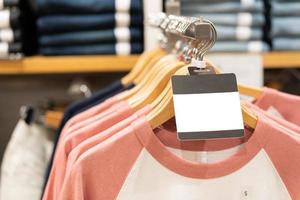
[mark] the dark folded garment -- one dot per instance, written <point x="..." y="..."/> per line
<point x="8" y="3"/>
<point x="9" y="35"/>
<point x="87" y="6"/>
<point x="6" y="49"/>
<point x="72" y="23"/>
<point x="119" y="49"/>
<point x="9" y="18"/>
<point x="92" y="37"/>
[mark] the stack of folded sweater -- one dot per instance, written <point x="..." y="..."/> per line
<point x="285" y="25"/>
<point x="84" y="27"/>
<point x="10" y="34"/>
<point x="240" y="24"/>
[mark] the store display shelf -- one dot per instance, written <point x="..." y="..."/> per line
<point x="273" y="60"/>
<point x="67" y="64"/>
<point x="111" y="63"/>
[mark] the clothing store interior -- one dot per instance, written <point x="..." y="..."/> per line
<point x="144" y="100"/>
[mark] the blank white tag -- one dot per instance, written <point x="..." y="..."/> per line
<point x="207" y="106"/>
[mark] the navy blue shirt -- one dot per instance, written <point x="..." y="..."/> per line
<point x="48" y="7"/>
<point x="90" y="49"/>
<point x="87" y="37"/>
<point x="73" y="23"/>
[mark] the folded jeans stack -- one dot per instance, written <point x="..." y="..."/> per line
<point x="286" y="25"/>
<point x="239" y="23"/>
<point x="84" y="27"/>
<point x="10" y="33"/>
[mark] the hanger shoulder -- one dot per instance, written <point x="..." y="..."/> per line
<point x="250" y="91"/>
<point x="159" y="55"/>
<point x="147" y="87"/>
<point x="148" y="78"/>
<point x="249" y="118"/>
<point x="157" y="86"/>
<point x="143" y="60"/>
<point x="164" y="109"/>
<point x="152" y="75"/>
<point x="162" y="113"/>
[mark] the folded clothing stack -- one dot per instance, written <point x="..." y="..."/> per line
<point x="285" y="25"/>
<point x="240" y="24"/>
<point x="83" y="27"/>
<point x="10" y="30"/>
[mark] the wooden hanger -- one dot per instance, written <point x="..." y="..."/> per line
<point x="163" y="106"/>
<point x="250" y="90"/>
<point x="164" y="110"/>
<point x="159" y="55"/>
<point x="152" y="91"/>
<point x="139" y="67"/>
<point x="148" y="78"/>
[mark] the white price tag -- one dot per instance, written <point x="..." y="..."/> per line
<point x="207" y="106"/>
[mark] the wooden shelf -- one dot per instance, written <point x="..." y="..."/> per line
<point x="67" y="64"/>
<point x="279" y="60"/>
<point x="111" y="63"/>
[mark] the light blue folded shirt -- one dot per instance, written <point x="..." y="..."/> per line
<point x="286" y="44"/>
<point x="239" y="46"/>
<point x="234" y="19"/>
<point x="238" y="33"/>
<point x="286" y="8"/>
<point x="286" y="26"/>
<point x="226" y="7"/>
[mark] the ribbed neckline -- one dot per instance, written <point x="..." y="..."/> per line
<point x="191" y="169"/>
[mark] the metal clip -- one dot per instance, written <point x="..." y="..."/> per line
<point x="191" y="36"/>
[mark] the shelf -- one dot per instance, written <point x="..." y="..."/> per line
<point x="111" y="63"/>
<point x="279" y="60"/>
<point x="67" y="64"/>
<point x="53" y="119"/>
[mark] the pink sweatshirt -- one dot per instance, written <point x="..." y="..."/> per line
<point x="135" y="164"/>
<point x="98" y="138"/>
<point x="277" y="119"/>
<point x="287" y="105"/>
<point x="70" y="140"/>
<point x="78" y="121"/>
<point x="91" y="116"/>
